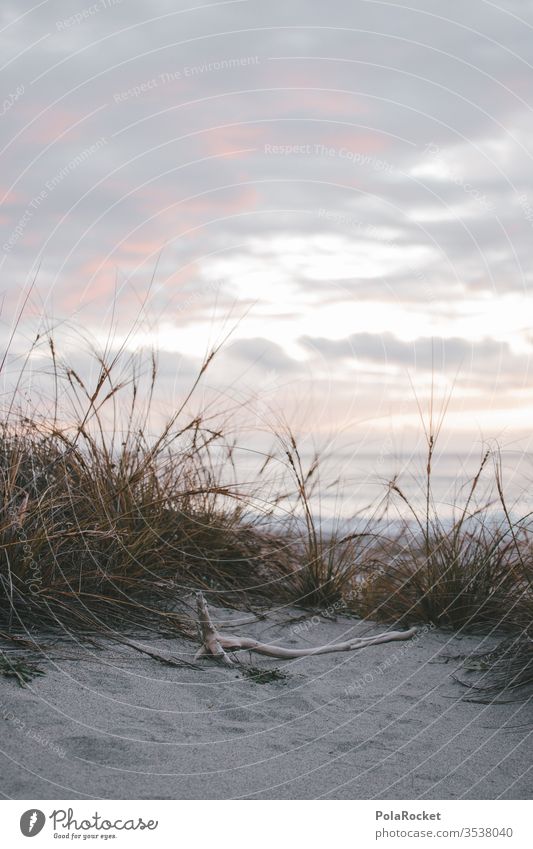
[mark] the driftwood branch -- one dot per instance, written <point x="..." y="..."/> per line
<point x="214" y="643"/>
<point x="210" y="638"/>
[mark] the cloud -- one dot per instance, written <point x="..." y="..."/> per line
<point x="485" y="356"/>
<point x="261" y="353"/>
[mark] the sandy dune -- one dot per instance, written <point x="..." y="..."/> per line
<point x="386" y="722"/>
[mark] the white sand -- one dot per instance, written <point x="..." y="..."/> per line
<point x="383" y="723"/>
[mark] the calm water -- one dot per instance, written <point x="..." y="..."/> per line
<point x="357" y="484"/>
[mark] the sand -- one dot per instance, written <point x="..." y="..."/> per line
<point x="387" y="722"/>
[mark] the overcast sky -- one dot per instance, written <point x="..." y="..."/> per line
<point x="351" y="179"/>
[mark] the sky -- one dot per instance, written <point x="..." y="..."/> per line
<point x="344" y="187"/>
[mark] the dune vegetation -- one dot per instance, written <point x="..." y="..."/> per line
<point x="106" y="528"/>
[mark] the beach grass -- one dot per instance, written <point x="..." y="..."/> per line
<point x="106" y="528"/>
<point x="21" y="670"/>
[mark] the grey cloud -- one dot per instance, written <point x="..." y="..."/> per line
<point x="261" y="353"/>
<point x="485" y="356"/>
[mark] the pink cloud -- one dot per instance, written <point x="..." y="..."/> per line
<point x="52" y="124"/>
<point x="226" y="140"/>
<point x="9" y="198"/>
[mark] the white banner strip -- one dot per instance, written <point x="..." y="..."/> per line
<point x="263" y="824"/>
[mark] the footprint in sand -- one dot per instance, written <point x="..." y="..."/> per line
<point x="107" y="751"/>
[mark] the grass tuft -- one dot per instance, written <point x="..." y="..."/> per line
<point x="23" y="671"/>
<point x="263" y="676"/>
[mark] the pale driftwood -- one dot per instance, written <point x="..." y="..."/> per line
<point x="214" y="643"/>
<point x="211" y="640"/>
